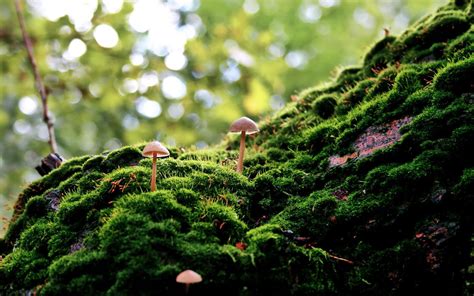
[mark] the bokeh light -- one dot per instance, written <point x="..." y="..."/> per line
<point x="106" y="36"/>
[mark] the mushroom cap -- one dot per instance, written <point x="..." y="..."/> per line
<point x="155" y="147"/>
<point x="188" y="277"/>
<point x="244" y="124"/>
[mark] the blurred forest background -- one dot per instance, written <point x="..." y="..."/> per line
<point x="121" y="72"/>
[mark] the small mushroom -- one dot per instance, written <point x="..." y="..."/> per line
<point x="154" y="149"/>
<point x="188" y="277"/>
<point x="243" y="125"/>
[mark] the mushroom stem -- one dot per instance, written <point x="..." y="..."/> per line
<point x="187" y="289"/>
<point x="153" y="173"/>
<point x="240" y="163"/>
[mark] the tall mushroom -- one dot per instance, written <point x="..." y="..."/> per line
<point x="243" y="125"/>
<point x="188" y="277"/>
<point x="154" y="149"/>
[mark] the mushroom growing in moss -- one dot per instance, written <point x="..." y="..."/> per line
<point x="188" y="277"/>
<point x="243" y="125"/>
<point x="154" y="149"/>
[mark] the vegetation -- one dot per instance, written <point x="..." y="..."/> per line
<point x="393" y="216"/>
<point x="244" y="59"/>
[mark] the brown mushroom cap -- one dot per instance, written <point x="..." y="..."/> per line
<point x="155" y="147"/>
<point x="244" y="124"/>
<point x="188" y="277"/>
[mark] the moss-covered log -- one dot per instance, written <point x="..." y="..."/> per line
<point x="363" y="186"/>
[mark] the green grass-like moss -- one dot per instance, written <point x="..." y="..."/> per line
<point x="324" y="106"/>
<point x="397" y="221"/>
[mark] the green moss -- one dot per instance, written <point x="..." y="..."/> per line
<point x="89" y="181"/>
<point x="294" y="270"/>
<point x="24" y="269"/>
<point x="49" y="181"/>
<point x="440" y="27"/>
<point x="388" y="269"/>
<point x="461" y="3"/>
<point x="406" y="83"/>
<point x="348" y="77"/>
<point x="416" y="102"/>
<point x="309" y="217"/>
<point x="203" y="232"/>
<point x="357" y="94"/>
<point x="464" y="189"/>
<point x="75" y="212"/>
<point x="456" y="77"/>
<point x="174" y="183"/>
<point x="470" y="11"/>
<point x="217" y="156"/>
<point x="68" y="274"/>
<point x="36" y="237"/>
<point x="121" y="158"/>
<point x="93" y="163"/>
<point x="60" y="240"/>
<point x="279" y="155"/>
<point x="291" y="224"/>
<point x="324" y="106"/>
<point x="187" y="197"/>
<point x="379" y="56"/>
<point x="433" y="53"/>
<point x="384" y="82"/>
<point x="462" y="47"/>
<point x="36" y="208"/>
<point x="158" y="205"/>
<point x="320" y="136"/>
<point x="226" y="221"/>
<point x="274" y="187"/>
<point x="220" y="182"/>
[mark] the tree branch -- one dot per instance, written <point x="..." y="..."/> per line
<point x="38" y="81"/>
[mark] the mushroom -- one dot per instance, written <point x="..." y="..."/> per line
<point x="154" y="149"/>
<point x="243" y="125"/>
<point x="188" y="277"/>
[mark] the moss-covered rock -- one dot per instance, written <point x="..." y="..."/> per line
<point x="361" y="186"/>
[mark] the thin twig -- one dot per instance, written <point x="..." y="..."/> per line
<point x="38" y="81"/>
<point x="341" y="259"/>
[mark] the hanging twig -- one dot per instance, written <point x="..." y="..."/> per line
<point x="38" y="81"/>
